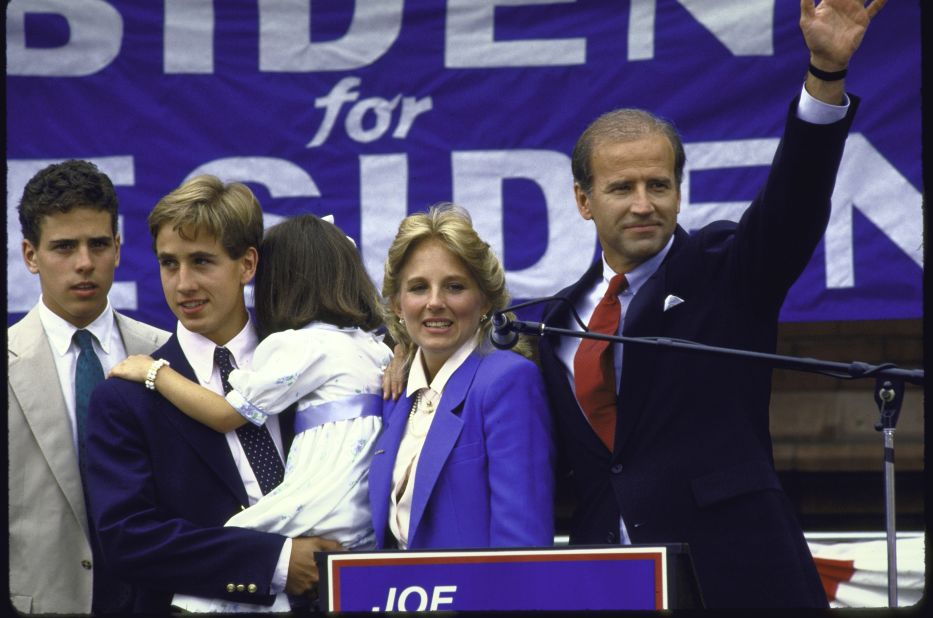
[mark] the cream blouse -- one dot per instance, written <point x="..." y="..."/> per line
<point x="427" y="398"/>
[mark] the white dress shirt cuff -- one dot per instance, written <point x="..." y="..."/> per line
<point x="815" y="111"/>
<point x="281" y="568"/>
<point x="247" y="410"/>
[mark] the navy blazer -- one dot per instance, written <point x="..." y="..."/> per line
<point x="485" y="477"/>
<point x="160" y="486"/>
<point x="692" y="459"/>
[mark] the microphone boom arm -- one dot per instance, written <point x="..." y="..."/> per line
<point x="849" y="371"/>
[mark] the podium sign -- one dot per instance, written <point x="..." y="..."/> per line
<point x="535" y="579"/>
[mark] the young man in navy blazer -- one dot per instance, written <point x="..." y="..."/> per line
<point x="689" y="457"/>
<point x="161" y="485"/>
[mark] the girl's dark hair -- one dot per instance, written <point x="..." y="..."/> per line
<point x="309" y="270"/>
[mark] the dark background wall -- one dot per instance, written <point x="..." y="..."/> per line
<point x="826" y="448"/>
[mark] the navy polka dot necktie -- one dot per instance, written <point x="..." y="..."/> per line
<point x="255" y="440"/>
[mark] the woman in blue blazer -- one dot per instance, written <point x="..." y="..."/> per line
<point x="466" y="457"/>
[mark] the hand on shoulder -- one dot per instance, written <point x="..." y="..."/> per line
<point x="133" y="368"/>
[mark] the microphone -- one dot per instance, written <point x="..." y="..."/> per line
<point x="503" y="335"/>
<point x="505" y="331"/>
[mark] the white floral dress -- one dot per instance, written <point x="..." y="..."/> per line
<point x="335" y="375"/>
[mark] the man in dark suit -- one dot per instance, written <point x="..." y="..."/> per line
<point x="162" y="485"/>
<point x="676" y="448"/>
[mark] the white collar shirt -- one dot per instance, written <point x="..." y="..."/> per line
<point x="107" y="343"/>
<point x="586" y="304"/>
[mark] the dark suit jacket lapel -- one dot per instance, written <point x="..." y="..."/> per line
<point x="441" y="438"/>
<point x="642" y="319"/>
<point x="211" y="446"/>
<point x="558" y="313"/>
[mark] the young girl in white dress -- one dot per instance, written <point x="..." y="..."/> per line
<point x="315" y="311"/>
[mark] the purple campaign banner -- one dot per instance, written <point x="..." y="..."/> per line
<point x="593" y="579"/>
<point x="372" y="109"/>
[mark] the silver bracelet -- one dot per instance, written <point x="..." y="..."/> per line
<point x="153" y="370"/>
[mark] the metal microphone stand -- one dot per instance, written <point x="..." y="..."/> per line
<point x="889" y="394"/>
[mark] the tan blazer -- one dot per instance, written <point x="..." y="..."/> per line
<point x="50" y="555"/>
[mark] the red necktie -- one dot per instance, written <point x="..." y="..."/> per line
<point x="593" y="373"/>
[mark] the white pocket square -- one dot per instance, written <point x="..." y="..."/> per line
<point x="672" y="301"/>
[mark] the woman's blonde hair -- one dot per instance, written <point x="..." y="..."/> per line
<point x="452" y="226"/>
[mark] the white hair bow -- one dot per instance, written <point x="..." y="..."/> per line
<point x="330" y="219"/>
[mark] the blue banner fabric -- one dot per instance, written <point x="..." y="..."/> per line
<point x="372" y="109"/>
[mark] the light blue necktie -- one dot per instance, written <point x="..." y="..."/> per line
<point x="87" y="374"/>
